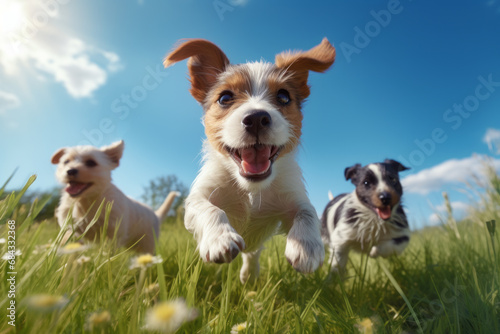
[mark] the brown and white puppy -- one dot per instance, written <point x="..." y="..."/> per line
<point x="250" y="185"/>
<point x="86" y="172"/>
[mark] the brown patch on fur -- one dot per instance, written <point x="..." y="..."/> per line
<point x="378" y="204"/>
<point x="291" y="111"/>
<point x="395" y="198"/>
<point x="376" y="201"/>
<point x="57" y="156"/>
<point x="239" y="85"/>
<point x="317" y="59"/>
<point x="206" y="62"/>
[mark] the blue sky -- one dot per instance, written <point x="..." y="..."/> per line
<point x="416" y="81"/>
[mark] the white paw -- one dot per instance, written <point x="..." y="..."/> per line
<point x="374" y="252"/>
<point x="221" y="247"/>
<point x="304" y="255"/>
<point x="249" y="273"/>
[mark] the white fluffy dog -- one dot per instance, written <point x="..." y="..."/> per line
<point x="250" y="186"/>
<point x="86" y="172"/>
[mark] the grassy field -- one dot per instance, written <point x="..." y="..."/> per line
<point x="447" y="281"/>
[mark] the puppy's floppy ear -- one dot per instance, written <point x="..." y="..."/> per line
<point x="397" y="165"/>
<point x="114" y="151"/>
<point x="206" y="62"/>
<point x="350" y="172"/>
<point x="57" y="156"/>
<point x="318" y="59"/>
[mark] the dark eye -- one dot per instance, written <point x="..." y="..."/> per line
<point x="66" y="162"/>
<point x="90" y="163"/>
<point x="367" y="184"/>
<point x="393" y="180"/>
<point x="225" y="98"/>
<point x="283" y="97"/>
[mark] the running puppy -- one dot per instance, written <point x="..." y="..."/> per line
<point x="371" y="218"/>
<point x="86" y="172"/>
<point x="250" y="186"/>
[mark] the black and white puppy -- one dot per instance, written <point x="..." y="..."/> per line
<point x="370" y="219"/>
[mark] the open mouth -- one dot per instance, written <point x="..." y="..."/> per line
<point x="255" y="162"/>
<point x="76" y="188"/>
<point x="384" y="212"/>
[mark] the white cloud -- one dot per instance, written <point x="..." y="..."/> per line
<point x="492" y="138"/>
<point x="39" y="45"/>
<point x="114" y="61"/>
<point x="459" y="209"/>
<point x="8" y="101"/>
<point x="450" y="172"/>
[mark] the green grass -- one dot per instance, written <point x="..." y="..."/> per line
<point x="447" y="281"/>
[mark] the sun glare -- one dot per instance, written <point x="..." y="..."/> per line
<point x="11" y="17"/>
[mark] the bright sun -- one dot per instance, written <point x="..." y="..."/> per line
<point x="11" y="17"/>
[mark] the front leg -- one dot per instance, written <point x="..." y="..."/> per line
<point x="61" y="214"/>
<point x="339" y="255"/>
<point x="217" y="240"/>
<point x="394" y="246"/>
<point x="250" y="268"/>
<point x="304" y="248"/>
<point x="62" y="211"/>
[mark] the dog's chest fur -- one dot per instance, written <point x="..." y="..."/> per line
<point x="255" y="216"/>
<point x="357" y="223"/>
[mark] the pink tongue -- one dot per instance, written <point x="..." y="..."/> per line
<point x="255" y="160"/>
<point x="75" y="188"/>
<point x="384" y="213"/>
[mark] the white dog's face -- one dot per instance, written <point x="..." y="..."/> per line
<point x="86" y="170"/>
<point x="252" y="111"/>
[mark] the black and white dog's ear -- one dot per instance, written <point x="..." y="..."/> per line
<point x="350" y="172"/>
<point x="397" y="165"/>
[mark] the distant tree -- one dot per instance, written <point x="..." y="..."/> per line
<point x="158" y="189"/>
<point x="52" y="196"/>
<point x="49" y="208"/>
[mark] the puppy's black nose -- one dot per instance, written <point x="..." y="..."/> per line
<point x="256" y="121"/>
<point x="72" y="172"/>
<point x="385" y="198"/>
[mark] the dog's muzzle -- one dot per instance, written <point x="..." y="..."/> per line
<point x="255" y="160"/>
<point x="256" y="122"/>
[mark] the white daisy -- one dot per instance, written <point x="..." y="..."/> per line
<point x="98" y="319"/>
<point x="45" y="302"/>
<point x="239" y="328"/>
<point x="364" y="326"/>
<point x="144" y="261"/>
<point x="168" y="317"/>
<point x="82" y="259"/>
<point x="71" y="248"/>
<point x="368" y="325"/>
<point x="251" y="295"/>
<point x="152" y="288"/>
